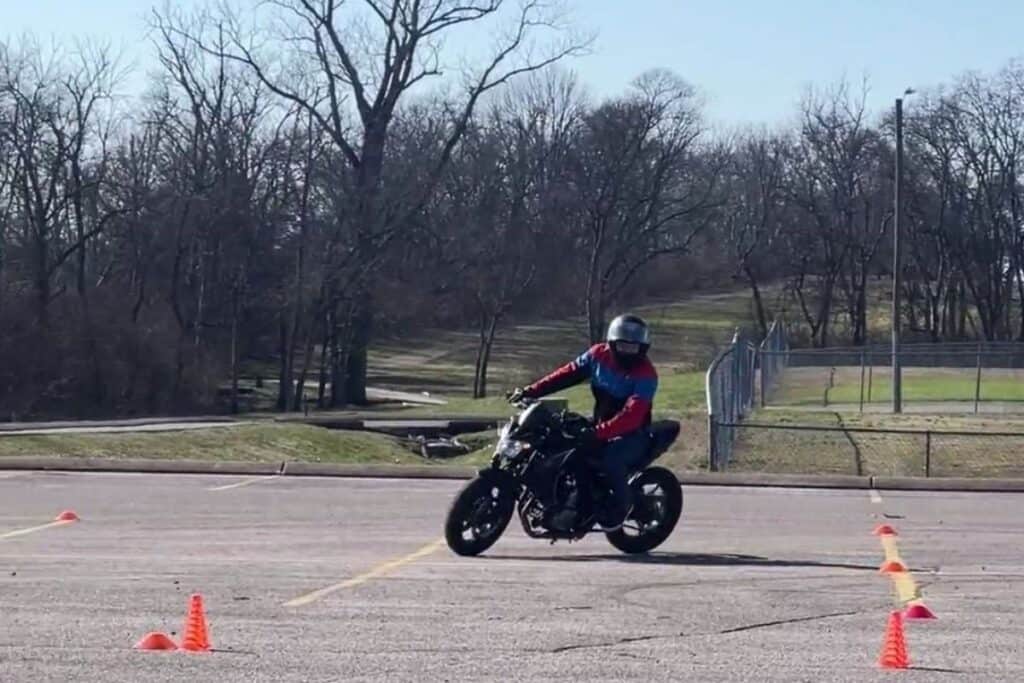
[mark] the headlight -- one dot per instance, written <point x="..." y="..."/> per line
<point x="509" y="448"/>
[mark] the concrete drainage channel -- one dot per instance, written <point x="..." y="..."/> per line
<point x="433" y="439"/>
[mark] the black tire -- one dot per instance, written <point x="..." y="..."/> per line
<point x="483" y="508"/>
<point x="663" y="511"/>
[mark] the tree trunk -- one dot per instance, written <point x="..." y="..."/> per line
<point x="370" y="221"/>
<point x="962" y="313"/>
<point x="234" y="351"/>
<point x="42" y="284"/>
<point x="356" y="365"/>
<point x="284" y="382"/>
<point x="99" y="389"/>
<point x="325" y="357"/>
<point x="1020" y="296"/>
<point x="762" y="319"/>
<point x="861" y="333"/>
<point x="297" y="311"/>
<point x="595" y="304"/>
<point x="200" y="303"/>
<point x="307" y="359"/>
<point x="342" y="334"/>
<point x="488" y="329"/>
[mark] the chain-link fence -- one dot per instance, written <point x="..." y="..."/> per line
<point x="985" y="377"/>
<point x="873" y="452"/>
<point x="773" y="358"/>
<point x="730" y="387"/>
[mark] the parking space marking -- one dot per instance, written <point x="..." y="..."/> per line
<point x="379" y="570"/>
<point x="33" y="529"/>
<point x="244" y="482"/>
<point x="876" y="497"/>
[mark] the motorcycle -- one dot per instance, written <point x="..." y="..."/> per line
<point x="539" y="471"/>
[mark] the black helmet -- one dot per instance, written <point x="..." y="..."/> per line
<point x="629" y="339"/>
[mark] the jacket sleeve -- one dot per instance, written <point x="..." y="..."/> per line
<point x="564" y="377"/>
<point x="633" y="414"/>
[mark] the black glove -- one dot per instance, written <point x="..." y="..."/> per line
<point x="517" y="395"/>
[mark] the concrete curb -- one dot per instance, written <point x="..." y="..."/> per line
<point x="15" y="427"/>
<point x="142" y="466"/>
<point x="948" y="484"/>
<point x="448" y="472"/>
<point x="759" y="479"/>
<point x="328" y="469"/>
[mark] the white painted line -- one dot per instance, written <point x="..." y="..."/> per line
<point x="33" y="529"/>
<point x="876" y="497"/>
<point x="13" y="475"/>
<point x="244" y="482"/>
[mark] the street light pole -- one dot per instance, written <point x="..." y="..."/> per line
<point x="897" y="370"/>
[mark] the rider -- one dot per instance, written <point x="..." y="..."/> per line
<point x="623" y="381"/>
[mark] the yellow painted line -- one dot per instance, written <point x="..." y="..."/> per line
<point x="33" y="529"/>
<point x="379" y="570"/>
<point x="889" y="546"/>
<point x="244" y="482"/>
<point x="903" y="582"/>
<point x="906" y="588"/>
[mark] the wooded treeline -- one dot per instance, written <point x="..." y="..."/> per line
<point x="292" y="187"/>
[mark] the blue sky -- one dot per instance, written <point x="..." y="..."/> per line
<point x="751" y="59"/>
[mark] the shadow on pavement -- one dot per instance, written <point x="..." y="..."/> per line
<point x="688" y="559"/>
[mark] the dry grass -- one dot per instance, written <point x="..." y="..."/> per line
<point x="979" y="454"/>
<point x="268" y="442"/>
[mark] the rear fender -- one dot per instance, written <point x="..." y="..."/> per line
<point x="663" y="434"/>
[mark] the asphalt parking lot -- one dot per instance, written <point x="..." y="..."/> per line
<point x="321" y="579"/>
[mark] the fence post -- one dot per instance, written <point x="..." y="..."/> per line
<point x="977" y="381"/>
<point x="862" y="381"/>
<point x="734" y="393"/>
<point x="871" y="373"/>
<point x="712" y="444"/>
<point x="927" y="454"/>
<point x="764" y="376"/>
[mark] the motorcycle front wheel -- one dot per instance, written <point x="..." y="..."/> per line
<point x="658" y="504"/>
<point x="477" y="517"/>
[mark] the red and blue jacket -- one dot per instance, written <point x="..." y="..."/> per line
<point x="623" y="398"/>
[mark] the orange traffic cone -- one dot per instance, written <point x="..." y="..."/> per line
<point x="67" y="516"/>
<point x="918" y="610"/>
<point x="894" y="647"/>
<point x="196" y="636"/>
<point x="884" y="530"/>
<point x="892" y="567"/>
<point x="156" y="641"/>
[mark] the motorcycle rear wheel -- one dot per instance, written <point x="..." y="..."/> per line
<point x="482" y="509"/>
<point x="657" y="508"/>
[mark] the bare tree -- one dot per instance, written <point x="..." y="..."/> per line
<point x="756" y="210"/>
<point x="836" y="187"/>
<point x="369" y="61"/>
<point x="646" y="185"/>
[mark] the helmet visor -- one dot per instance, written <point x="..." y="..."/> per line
<point x="626" y="348"/>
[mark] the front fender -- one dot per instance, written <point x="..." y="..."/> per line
<point x="496" y="477"/>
